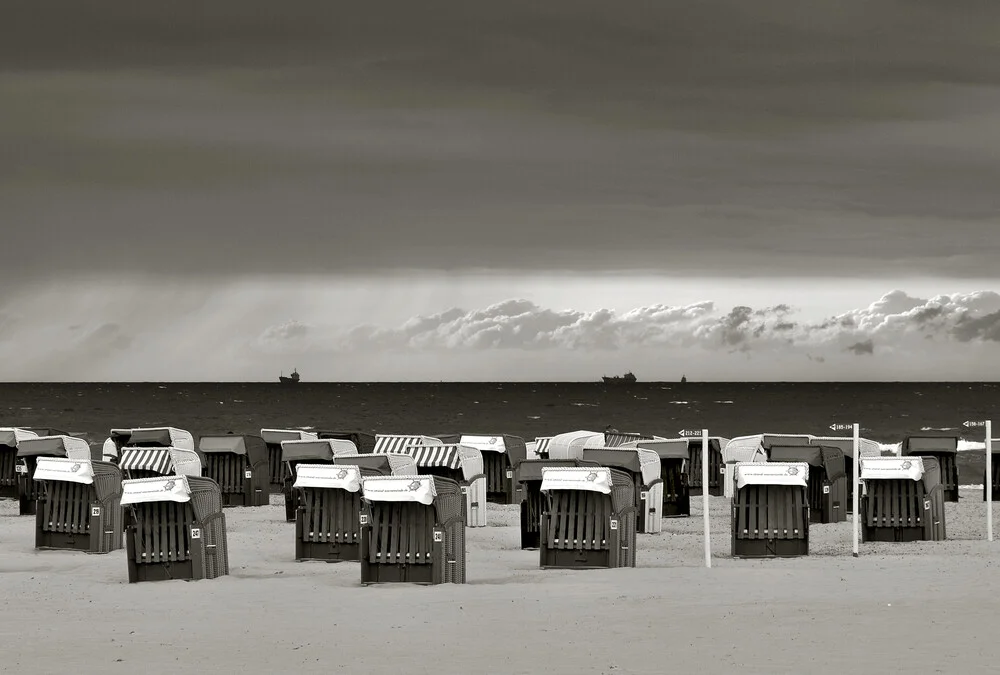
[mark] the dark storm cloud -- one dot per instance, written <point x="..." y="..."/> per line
<point x="978" y="328"/>
<point x="766" y="138"/>
<point x="862" y="348"/>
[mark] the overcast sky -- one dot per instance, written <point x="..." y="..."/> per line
<point x="274" y="177"/>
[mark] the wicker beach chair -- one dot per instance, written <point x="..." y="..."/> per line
<point x="315" y="451"/>
<point x="770" y="510"/>
<point x="943" y="448"/>
<point x="827" y="482"/>
<point x="277" y="470"/>
<point x="174" y="528"/>
<point x="866" y="448"/>
<point x="28" y="452"/>
<point x="675" y="463"/>
<point x="239" y="464"/>
<point x="501" y="452"/>
<point x="716" y="467"/>
<point x="10" y="467"/>
<point x="643" y="466"/>
<point x="328" y="519"/>
<point x="589" y="518"/>
<point x="79" y="505"/>
<point x="460" y="463"/>
<point x="414" y="530"/>
<point x="902" y="499"/>
<point x="528" y="478"/>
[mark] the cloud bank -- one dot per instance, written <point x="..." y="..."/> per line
<point x="227" y="336"/>
<point x="896" y="322"/>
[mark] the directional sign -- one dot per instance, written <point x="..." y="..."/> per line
<point x="688" y="432"/>
<point x="841" y="427"/>
<point x="973" y="423"/>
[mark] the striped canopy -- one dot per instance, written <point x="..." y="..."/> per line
<point x="157" y="460"/>
<point x="446" y="456"/>
<point x="614" y="439"/>
<point x="542" y="445"/>
<point x="386" y="443"/>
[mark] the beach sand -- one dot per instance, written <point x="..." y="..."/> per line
<point x="920" y="607"/>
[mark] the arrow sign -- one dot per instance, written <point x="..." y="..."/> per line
<point x="841" y="427"/>
<point x="973" y="423"/>
<point x="686" y="432"/>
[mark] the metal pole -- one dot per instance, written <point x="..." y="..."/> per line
<point x="989" y="480"/>
<point x="704" y="496"/>
<point x="857" y="486"/>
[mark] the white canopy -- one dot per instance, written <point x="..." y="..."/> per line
<point x="771" y="473"/>
<point x="888" y="468"/>
<point x="744" y="449"/>
<point x="64" y="469"/>
<point x="592" y="479"/>
<point x="571" y="445"/>
<point x="484" y="443"/>
<point x="332" y="476"/>
<point x="158" y="489"/>
<point x="399" y="489"/>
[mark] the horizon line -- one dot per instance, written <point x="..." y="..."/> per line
<point x="518" y="382"/>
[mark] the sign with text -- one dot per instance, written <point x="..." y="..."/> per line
<point x="689" y="432"/>
<point x="841" y="427"/>
<point x="973" y="423"/>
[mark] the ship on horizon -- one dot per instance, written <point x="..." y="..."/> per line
<point x="293" y="378"/>
<point x="627" y="378"/>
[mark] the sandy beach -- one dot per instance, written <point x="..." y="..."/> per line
<point x="921" y="607"/>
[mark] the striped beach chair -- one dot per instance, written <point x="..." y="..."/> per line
<point x="589" y="518"/>
<point x="240" y="465"/>
<point x="460" y="463"/>
<point x="276" y="468"/>
<point x="414" y="530"/>
<point x="902" y="499"/>
<point x="29" y="450"/>
<point x="770" y="510"/>
<point x="315" y="451"/>
<point x="79" y="506"/>
<point x="174" y="528"/>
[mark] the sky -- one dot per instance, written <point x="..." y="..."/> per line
<point x="524" y="190"/>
